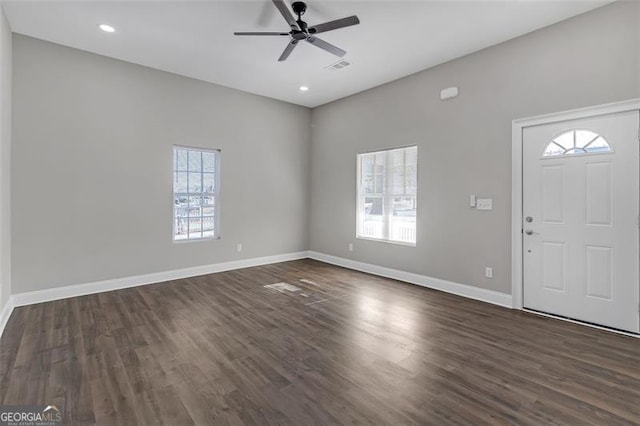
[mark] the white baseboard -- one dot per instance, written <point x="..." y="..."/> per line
<point x="463" y="290"/>
<point x="50" y="294"/>
<point x="5" y="313"/>
<point x="47" y="295"/>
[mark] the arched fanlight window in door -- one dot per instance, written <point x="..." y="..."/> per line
<point x="576" y="142"/>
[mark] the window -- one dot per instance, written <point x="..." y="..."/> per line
<point x="575" y="142"/>
<point x="195" y="193"/>
<point x="387" y="195"/>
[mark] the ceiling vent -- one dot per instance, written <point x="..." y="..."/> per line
<point x="338" y="65"/>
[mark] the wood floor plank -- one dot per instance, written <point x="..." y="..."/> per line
<point x="344" y="348"/>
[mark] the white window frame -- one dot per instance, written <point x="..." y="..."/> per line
<point x="387" y="196"/>
<point x="576" y="153"/>
<point x="215" y="194"/>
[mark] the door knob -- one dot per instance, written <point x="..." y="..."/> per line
<point x="530" y="232"/>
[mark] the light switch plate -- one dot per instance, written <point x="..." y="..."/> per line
<point x="484" y="204"/>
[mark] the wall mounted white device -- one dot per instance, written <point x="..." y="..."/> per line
<point x="448" y="93"/>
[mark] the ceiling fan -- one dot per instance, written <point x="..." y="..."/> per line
<point x="300" y="30"/>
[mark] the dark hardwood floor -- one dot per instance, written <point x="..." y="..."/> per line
<point x="347" y="348"/>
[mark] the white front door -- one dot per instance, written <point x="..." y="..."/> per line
<point x="580" y="219"/>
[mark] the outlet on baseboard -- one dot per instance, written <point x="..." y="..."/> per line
<point x="239" y="247"/>
<point x="488" y="272"/>
<point x="350" y="246"/>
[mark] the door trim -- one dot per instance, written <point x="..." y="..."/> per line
<point x="518" y="126"/>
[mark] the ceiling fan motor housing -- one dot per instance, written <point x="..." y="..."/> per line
<point x="299" y="7"/>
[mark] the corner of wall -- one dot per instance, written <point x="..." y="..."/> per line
<point x="310" y="179"/>
<point x="6" y="70"/>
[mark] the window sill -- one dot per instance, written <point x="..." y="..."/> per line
<point x="400" y="243"/>
<point x="194" y="240"/>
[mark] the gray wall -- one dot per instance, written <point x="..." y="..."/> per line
<point x="92" y="168"/>
<point x="465" y="143"/>
<point x="91" y="162"/>
<point x="5" y="159"/>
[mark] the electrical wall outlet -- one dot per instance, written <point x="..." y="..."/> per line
<point x="350" y="246"/>
<point x="488" y="272"/>
<point x="239" y="247"/>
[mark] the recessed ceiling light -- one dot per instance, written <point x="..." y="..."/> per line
<point x="106" y="28"/>
<point x="303" y="88"/>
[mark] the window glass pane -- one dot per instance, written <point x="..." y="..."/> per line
<point x="181" y="206"/>
<point x="195" y="201"/>
<point x="372" y="173"/>
<point x="195" y="182"/>
<point x="195" y="227"/>
<point x="180" y="159"/>
<point x="207" y="200"/>
<point x="378" y="185"/>
<point x="209" y="182"/>
<point x="411" y="179"/>
<point x="583" y="137"/>
<point x="180" y="236"/>
<point x="397" y="185"/>
<point x="208" y="223"/>
<point x="553" y="149"/>
<point x="368" y="185"/>
<point x="180" y="226"/>
<point x="598" y="145"/>
<point x="576" y="142"/>
<point x="411" y="156"/>
<point x="195" y="161"/>
<point x="180" y="182"/>
<point x="388" y="188"/>
<point x="373" y="206"/>
<point x="194" y="185"/>
<point x="367" y="173"/>
<point x="195" y="209"/>
<point x="373" y="218"/>
<point x="404" y="206"/>
<point x="397" y="157"/>
<point x="411" y="170"/>
<point x="565" y="140"/>
<point x="208" y="162"/>
<point x="403" y="221"/>
<point x="574" y="151"/>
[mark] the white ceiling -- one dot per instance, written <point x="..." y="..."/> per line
<point x="195" y="38"/>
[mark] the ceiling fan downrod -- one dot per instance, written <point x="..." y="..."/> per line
<point x="299" y="8"/>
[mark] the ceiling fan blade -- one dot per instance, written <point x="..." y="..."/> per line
<point x="286" y="13"/>
<point x="287" y="50"/>
<point x="260" y="34"/>
<point x="326" y="46"/>
<point x="334" y="25"/>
